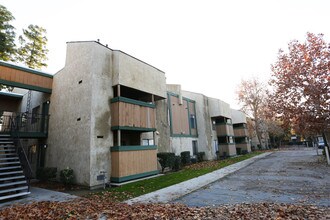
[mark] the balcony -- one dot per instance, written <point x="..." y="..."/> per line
<point x="27" y="125"/>
<point x="133" y="162"/>
<point x="131" y="114"/>
<point x="240" y="132"/>
<point x="224" y="129"/>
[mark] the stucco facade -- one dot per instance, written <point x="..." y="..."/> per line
<point x="111" y="113"/>
<point x="80" y="122"/>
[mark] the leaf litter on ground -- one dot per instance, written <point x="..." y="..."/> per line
<point x="98" y="207"/>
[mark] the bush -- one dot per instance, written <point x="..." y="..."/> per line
<point x="185" y="157"/>
<point x="238" y="150"/>
<point x="200" y="156"/>
<point x="67" y="176"/>
<point x="177" y="163"/>
<point x="244" y="152"/>
<point x="46" y="173"/>
<point x="193" y="160"/>
<point x="166" y="160"/>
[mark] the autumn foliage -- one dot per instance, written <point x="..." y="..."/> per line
<point x="301" y="85"/>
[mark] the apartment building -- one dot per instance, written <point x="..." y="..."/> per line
<point x="107" y="114"/>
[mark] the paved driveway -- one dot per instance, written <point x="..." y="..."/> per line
<point x="292" y="176"/>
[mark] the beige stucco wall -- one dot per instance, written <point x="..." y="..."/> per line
<point x="204" y="126"/>
<point x="163" y="128"/>
<point x="180" y="144"/>
<point x="237" y="116"/>
<point x="83" y="89"/>
<point x="101" y="136"/>
<point x="134" y="73"/>
<point x="69" y="140"/>
<point x="219" y="108"/>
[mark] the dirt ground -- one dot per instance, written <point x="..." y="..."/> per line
<point x="292" y="176"/>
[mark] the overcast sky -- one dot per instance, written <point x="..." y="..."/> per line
<point x="206" y="46"/>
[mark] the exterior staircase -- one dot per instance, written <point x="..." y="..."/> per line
<point x="13" y="182"/>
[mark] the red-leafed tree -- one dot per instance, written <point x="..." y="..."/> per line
<point x="301" y="85"/>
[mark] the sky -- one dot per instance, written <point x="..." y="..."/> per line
<point x="206" y="46"/>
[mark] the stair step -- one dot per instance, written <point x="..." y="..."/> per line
<point x="14" y="189"/>
<point x="8" y="150"/>
<point x="12" y="178"/>
<point x="8" y="154"/>
<point x="14" y="195"/>
<point x="6" y="142"/>
<point x="8" y="163"/>
<point x="7" y="146"/>
<point x="9" y="158"/>
<point x="11" y="173"/>
<point x="12" y="183"/>
<point x="10" y="168"/>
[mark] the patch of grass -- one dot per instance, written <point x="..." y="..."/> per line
<point x="135" y="189"/>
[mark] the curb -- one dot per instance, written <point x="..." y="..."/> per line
<point x="176" y="191"/>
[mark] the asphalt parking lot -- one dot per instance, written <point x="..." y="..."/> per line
<point x="296" y="176"/>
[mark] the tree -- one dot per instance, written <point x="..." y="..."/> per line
<point x="301" y="85"/>
<point x="252" y="94"/>
<point x="33" y="51"/>
<point x="7" y="38"/>
<point x="7" y="35"/>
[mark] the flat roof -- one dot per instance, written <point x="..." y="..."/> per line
<point x="106" y="46"/>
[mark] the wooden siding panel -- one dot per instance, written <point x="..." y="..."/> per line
<point x="22" y="77"/>
<point x="224" y="129"/>
<point x="115" y="114"/>
<point x="180" y="119"/>
<point x="133" y="162"/>
<point x="126" y="114"/>
<point x="240" y="132"/>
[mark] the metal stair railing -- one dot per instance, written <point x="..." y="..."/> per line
<point x="27" y="169"/>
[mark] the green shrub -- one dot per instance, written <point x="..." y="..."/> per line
<point x="193" y="160"/>
<point x="177" y="163"/>
<point x="185" y="157"/>
<point x="244" y="152"/>
<point x="46" y="173"/>
<point x="166" y="159"/>
<point x="200" y="156"/>
<point x="67" y="176"/>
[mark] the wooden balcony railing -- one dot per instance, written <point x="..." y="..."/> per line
<point x="240" y="132"/>
<point x="224" y="130"/>
<point x="130" y="114"/>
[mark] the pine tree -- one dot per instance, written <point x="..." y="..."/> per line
<point x="7" y="35"/>
<point x="33" y="51"/>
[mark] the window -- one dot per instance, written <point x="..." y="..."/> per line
<point x="192" y="121"/>
<point x="231" y="140"/>
<point x="35" y="112"/>
<point x="194" y="147"/>
<point x="147" y="142"/>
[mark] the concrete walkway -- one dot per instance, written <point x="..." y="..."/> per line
<point x="173" y="192"/>
<point x="38" y="195"/>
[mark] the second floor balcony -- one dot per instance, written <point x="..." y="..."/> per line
<point x="27" y="125"/>
<point x="131" y="114"/>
